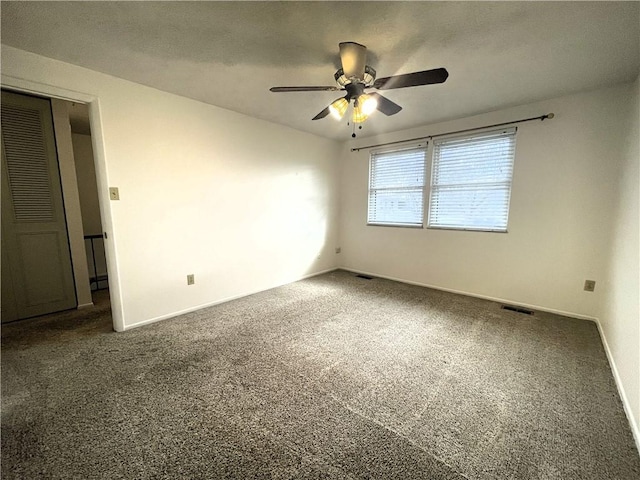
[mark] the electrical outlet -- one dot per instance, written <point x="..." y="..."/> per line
<point x="191" y="279"/>
<point x="589" y="285"/>
<point x="338" y="249"/>
<point x="114" y="194"/>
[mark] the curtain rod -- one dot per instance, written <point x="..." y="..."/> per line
<point x="541" y="118"/>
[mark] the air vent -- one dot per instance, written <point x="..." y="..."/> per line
<point x="366" y="277"/>
<point x="517" y="309"/>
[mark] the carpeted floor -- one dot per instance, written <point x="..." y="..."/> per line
<point x="331" y="377"/>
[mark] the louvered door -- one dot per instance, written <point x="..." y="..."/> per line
<point x="36" y="265"/>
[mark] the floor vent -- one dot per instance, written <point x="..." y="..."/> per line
<point x="366" y="277"/>
<point x="517" y="309"/>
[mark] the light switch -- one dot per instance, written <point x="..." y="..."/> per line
<point x="113" y="193"/>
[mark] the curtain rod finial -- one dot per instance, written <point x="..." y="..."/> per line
<point x="548" y="115"/>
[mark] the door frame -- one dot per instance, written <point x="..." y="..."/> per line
<point x="20" y="85"/>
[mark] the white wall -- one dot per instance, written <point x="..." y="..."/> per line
<point x="620" y="321"/>
<point x="241" y="203"/>
<point x="564" y="190"/>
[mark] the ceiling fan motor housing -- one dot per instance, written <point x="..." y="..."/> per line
<point x="354" y="90"/>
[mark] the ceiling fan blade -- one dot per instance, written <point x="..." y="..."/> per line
<point x="353" y="57"/>
<point x="304" y="89"/>
<point x="385" y="105"/>
<point x="426" y="77"/>
<point x="322" y="114"/>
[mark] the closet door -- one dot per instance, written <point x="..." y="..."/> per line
<point x="35" y="246"/>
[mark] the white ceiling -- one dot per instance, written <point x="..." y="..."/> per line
<point x="228" y="54"/>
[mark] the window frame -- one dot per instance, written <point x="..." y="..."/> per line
<point x="428" y="146"/>
<point x="424" y="146"/>
<point x="480" y="133"/>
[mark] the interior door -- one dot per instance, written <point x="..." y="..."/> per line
<point x="37" y="277"/>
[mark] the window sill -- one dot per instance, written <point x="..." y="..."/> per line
<point x="397" y="225"/>
<point x="463" y="229"/>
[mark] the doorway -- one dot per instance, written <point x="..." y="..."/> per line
<point x="46" y="196"/>
<point x="88" y="196"/>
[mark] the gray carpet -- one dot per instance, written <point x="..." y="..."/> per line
<point x="331" y="377"/>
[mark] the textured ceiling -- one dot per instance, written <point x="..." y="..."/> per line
<point x="229" y="53"/>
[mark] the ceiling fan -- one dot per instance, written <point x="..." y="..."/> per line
<point x="356" y="76"/>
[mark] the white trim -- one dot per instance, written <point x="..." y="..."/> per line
<point x="635" y="428"/>
<point x="52" y="91"/>
<point x="476" y="295"/>
<point x="93" y="101"/>
<point x="224" y="300"/>
<point x="85" y="305"/>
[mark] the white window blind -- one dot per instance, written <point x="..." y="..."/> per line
<point x="471" y="181"/>
<point x="396" y="187"/>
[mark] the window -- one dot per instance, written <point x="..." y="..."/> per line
<point x="396" y="187"/>
<point x="471" y="181"/>
<point x="469" y="189"/>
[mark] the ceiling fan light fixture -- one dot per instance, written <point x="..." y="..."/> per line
<point x="359" y="115"/>
<point x="367" y="103"/>
<point x="339" y="108"/>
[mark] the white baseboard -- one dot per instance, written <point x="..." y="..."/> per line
<point x="635" y="428"/>
<point x="223" y="300"/>
<point x="484" y="297"/>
